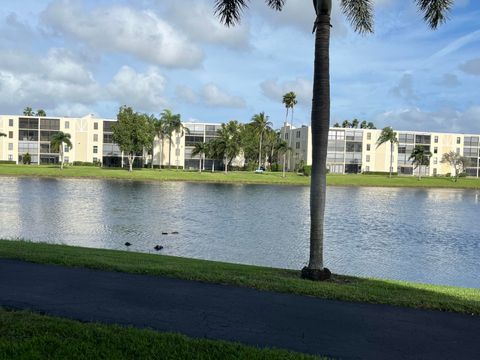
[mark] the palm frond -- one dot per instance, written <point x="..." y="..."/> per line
<point x="230" y="11"/>
<point x="276" y="4"/>
<point x="435" y="12"/>
<point x="360" y="14"/>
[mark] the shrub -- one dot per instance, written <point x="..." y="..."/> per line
<point x="27" y="159"/>
<point x="307" y="170"/>
<point x="462" y="175"/>
<point x="276" y="167"/>
<point x="251" y="166"/>
<point x="86" y="163"/>
<point x="448" y="174"/>
<point x="379" y="173"/>
<point x="9" y="162"/>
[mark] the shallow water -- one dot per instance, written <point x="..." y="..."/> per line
<point x="423" y="235"/>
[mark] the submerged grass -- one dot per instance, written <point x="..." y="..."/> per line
<point x="25" y="335"/>
<point x="348" y="288"/>
<point x="241" y="177"/>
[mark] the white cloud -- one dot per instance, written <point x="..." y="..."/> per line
<point x="404" y="88"/>
<point x="198" y="22"/>
<point x="216" y="97"/>
<point x="187" y="94"/>
<point x="446" y="119"/>
<point x="449" y="80"/>
<point x="140" y="33"/>
<point x="275" y="90"/>
<point x="143" y="91"/>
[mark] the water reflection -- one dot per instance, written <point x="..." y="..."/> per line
<point x="426" y="235"/>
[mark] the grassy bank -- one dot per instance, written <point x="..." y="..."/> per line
<point x="234" y="177"/>
<point x="25" y="335"/>
<point x="347" y="288"/>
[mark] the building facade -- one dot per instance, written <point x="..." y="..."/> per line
<point x="356" y="150"/>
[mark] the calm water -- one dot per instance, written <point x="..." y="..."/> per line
<point x="425" y="235"/>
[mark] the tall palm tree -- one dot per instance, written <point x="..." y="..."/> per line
<point x="261" y="124"/>
<point x="41" y="112"/>
<point x="173" y="125"/>
<point x="57" y="142"/>
<point x="420" y="157"/>
<point x="289" y="100"/>
<point x="28" y="111"/>
<point x="160" y="129"/>
<point x="282" y="148"/>
<point x="363" y="124"/>
<point x="386" y="135"/>
<point x="228" y="143"/>
<point x="346" y="124"/>
<point x="360" y="14"/>
<point x="200" y="148"/>
<point x="355" y="123"/>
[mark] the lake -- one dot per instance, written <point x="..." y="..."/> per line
<point x="422" y="235"/>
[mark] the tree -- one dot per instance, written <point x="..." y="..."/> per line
<point x="346" y="124"/>
<point x="41" y="112"/>
<point x="289" y="100"/>
<point x="282" y="149"/>
<point x="27" y="159"/>
<point x="360" y="14"/>
<point x="370" y="125"/>
<point x="200" y="148"/>
<point x="173" y="124"/>
<point x="336" y="125"/>
<point x="228" y="143"/>
<point x="160" y="131"/>
<point x="420" y="157"/>
<point x="57" y="142"/>
<point x="132" y="132"/>
<point x="386" y="135"/>
<point x="261" y="124"/>
<point x="28" y="111"/>
<point x="458" y="162"/>
<point x="363" y="125"/>
<point x="355" y="123"/>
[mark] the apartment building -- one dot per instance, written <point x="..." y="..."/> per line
<point x="356" y="150"/>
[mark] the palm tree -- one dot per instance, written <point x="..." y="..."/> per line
<point x="346" y="124"/>
<point x="282" y="148"/>
<point x="261" y="124"/>
<point x="388" y="134"/>
<point x="228" y="143"/>
<point x="173" y="124"/>
<point x="289" y="100"/>
<point x="336" y="125"/>
<point x="363" y="124"/>
<point x="355" y="123"/>
<point x="370" y="125"/>
<point x="200" y="148"/>
<point x="420" y="157"/>
<point x="360" y="14"/>
<point x="57" y="142"/>
<point x="160" y="130"/>
<point x="28" y="111"/>
<point x="41" y="112"/>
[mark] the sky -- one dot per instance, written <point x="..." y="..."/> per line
<point x="74" y="57"/>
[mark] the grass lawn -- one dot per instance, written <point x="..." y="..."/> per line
<point x="423" y="296"/>
<point x="233" y="177"/>
<point x="24" y="335"/>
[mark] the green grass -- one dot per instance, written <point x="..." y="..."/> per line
<point x="24" y="335"/>
<point x="423" y="296"/>
<point x="243" y="177"/>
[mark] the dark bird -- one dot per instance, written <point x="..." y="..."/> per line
<point x="164" y="233"/>
<point x="158" y="247"/>
<point x="175" y="232"/>
<point x="127" y="244"/>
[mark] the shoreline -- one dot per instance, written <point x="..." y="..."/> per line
<point x="234" y="177"/>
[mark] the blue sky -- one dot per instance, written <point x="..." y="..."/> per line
<point x="77" y="57"/>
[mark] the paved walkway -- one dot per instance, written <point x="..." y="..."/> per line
<point x="332" y="328"/>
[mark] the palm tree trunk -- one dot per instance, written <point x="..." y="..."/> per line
<point x="169" y="153"/>
<point x="226" y="165"/>
<point x="153" y="152"/>
<point x="283" y="171"/>
<point x="320" y="125"/>
<point x="200" y="163"/>
<point x="61" y="156"/>
<point x="391" y="159"/>
<point x="260" y="151"/>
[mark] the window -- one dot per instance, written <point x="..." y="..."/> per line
<point x="368" y="158"/>
<point x="67" y="124"/>
<point x="435" y="172"/>
<point x="297" y="145"/>
<point x="10" y="134"/>
<point x="66" y="148"/>
<point x="368" y="147"/>
<point x="95" y="159"/>
<point x="95" y="126"/>
<point x="458" y="151"/>
<point x="66" y="159"/>
<point x="367" y="168"/>
<point x="435" y="139"/>
<point x="435" y="161"/>
<point x="459" y="140"/>
<point x="369" y="137"/>
<point x="95" y="137"/>
<point x="10" y="157"/>
<point x="95" y="149"/>
<point x="435" y="150"/>
<point x="298" y="134"/>
<point x="10" y="122"/>
<point x="10" y="146"/>
<point x="286" y="136"/>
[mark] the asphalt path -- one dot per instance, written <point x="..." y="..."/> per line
<point x="265" y="319"/>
